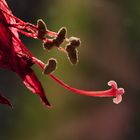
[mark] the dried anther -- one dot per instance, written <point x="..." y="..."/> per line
<point x="42" y="28"/>
<point x="57" y="41"/>
<point x="72" y="53"/>
<point x="74" y="41"/>
<point x="60" y="37"/>
<point x="50" y="66"/>
<point x="71" y="49"/>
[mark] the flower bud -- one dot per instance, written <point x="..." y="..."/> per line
<point x="50" y="66"/>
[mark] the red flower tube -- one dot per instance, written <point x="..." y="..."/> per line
<point x="17" y="58"/>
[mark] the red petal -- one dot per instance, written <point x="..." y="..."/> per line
<point x="3" y="100"/>
<point x="32" y="83"/>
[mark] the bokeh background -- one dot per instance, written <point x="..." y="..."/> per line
<point x="110" y="34"/>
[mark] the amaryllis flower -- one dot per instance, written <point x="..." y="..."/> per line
<point x="17" y="58"/>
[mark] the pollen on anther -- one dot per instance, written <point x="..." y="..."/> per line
<point x="50" y="66"/>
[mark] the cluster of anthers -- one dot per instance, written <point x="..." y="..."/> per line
<point x="21" y="59"/>
<point x="52" y="39"/>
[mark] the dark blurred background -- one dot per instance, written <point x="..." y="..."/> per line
<point x="110" y="31"/>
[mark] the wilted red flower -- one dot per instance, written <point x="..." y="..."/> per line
<point x="17" y="58"/>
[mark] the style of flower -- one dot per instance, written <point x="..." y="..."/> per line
<point x="17" y="58"/>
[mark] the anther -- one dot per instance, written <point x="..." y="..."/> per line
<point x="41" y="29"/>
<point x="72" y="53"/>
<point x="48" y="45"/>
<point x="50" y="67"/>
<point x="61" y="35"/>
<point x="76" y="42"/>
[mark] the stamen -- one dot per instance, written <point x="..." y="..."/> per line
<point x="42" y="28"/>
<point x="28" y="26"/>
<point x="61" y="35"/>
<point x="72" y="53"/>
<point x="50" y="67"/>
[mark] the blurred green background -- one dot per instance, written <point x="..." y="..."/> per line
<point x="110" y="34"/>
